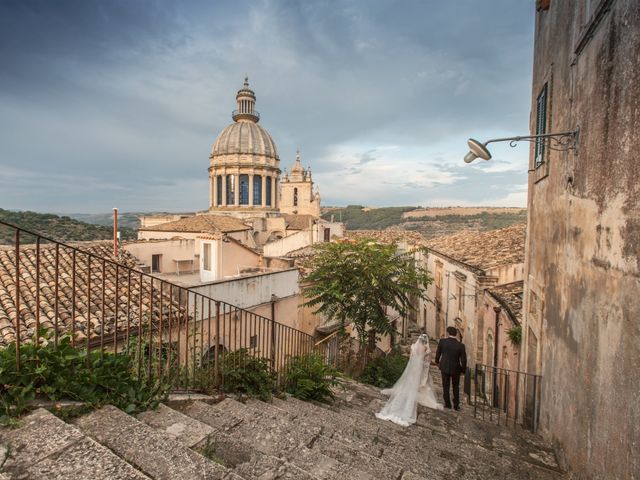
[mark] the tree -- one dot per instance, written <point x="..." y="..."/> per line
<point x="356" y="281"/>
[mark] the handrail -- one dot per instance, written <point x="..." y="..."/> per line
<point x="127" y="268"/>
<point x="327" y="337"/>
<point x="171" y="332"/>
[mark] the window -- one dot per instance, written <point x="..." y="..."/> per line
<point x="327" y="234"/>
<point x="206" y="261"/>
<point x="295" y="197"/>
<point x="257" y="190"/>
<point x="155" y="263"/>
<point x="219" y="189"/>
<point x="460" y="298"/>
<point x="244" y="190"/>
<point x="231" y="190"/>
<point x="253" y="341"/>
<point x="541" y="125"/>
<point x="268" y="192"/>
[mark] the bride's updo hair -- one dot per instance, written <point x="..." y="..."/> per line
<point x="424" y="338"/>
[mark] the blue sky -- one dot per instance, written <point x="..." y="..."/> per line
<point x="117" y="103"/>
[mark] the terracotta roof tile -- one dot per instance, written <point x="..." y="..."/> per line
<point x="298" y="222"/>
<point x="483" y="250"/>
<point x="201" y="224"/>
<point x="86" y="300"/>
<point x="510" y="296"/>
<point x="387" y="236"/>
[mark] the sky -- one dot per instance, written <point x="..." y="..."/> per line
<point x="117" y="103"/>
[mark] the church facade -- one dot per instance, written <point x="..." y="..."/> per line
<point x="297" y="196"/>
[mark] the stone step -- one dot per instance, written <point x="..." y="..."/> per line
<point x="362" y="401"/>
<point x="402" y="452"/>
<point x="153" y="452"/>
<point x="238" y="455"/>
<point x="45" y="447"/>
<point x="393" y="448"/>
<point x="276" y="436"/>
<point x="341" y="439"/>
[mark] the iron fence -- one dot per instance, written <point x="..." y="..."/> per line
<point x="49" y="289"/>
<point x="503" y="396"/>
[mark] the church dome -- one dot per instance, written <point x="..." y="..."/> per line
<point x="244" y="137"/>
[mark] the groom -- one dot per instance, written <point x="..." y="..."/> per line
<point x="452" y="359"/>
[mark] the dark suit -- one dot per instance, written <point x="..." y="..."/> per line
<point x="451" y="356"/>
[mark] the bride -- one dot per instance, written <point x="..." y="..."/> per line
<point x="413" y="387"/>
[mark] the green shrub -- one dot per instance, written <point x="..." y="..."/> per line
<point x="244" y="374"/>
<point x="384" y="372"/>
<point x="309" y="378"/>
<point x="515" y="335"/>
<point x="66" y="372"/>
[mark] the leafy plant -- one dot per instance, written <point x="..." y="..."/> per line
<point x="358" y="281"/>
<point x="244" y="374"/>
<point x="384" y="372"/>
<point x="309" y="378"/>
<point x="515" y="335"/>
<point x="66" y="372"/>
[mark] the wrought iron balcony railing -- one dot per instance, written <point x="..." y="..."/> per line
<point x="101" y="302"/>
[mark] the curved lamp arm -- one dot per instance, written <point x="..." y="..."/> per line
<point x="562" y="141"/>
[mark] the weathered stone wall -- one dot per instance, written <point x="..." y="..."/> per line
<point x="582" y="326"/>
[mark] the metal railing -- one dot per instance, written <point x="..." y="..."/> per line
<point x="507" y="397"/>
<point x="173" y="334"/>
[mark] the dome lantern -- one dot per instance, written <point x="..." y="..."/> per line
<point x="246" y="100"/>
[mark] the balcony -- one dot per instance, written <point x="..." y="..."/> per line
<point x="238" y="115"/>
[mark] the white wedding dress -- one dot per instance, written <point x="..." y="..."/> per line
<point x="412" y="388"/>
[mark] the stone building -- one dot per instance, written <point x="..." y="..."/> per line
<point x="244" y="171"/>
<point x="464" y="265"/>
<point x="582" y="322"/>
<point x="297" y="195"/>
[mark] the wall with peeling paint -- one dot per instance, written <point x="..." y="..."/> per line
<point x="582" y="295"/>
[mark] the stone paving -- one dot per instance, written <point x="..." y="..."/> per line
<point x="205" y="438"/>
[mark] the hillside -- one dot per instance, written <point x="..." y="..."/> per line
<point x="430" y="222"/>
<point x="125" y="219"/>
<point x="60" y="228"/>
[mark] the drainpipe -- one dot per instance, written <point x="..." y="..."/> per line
<point x="495" y="358"/>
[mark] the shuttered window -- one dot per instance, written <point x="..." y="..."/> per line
<point x="541" y="125"/>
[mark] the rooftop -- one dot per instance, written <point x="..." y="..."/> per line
<point x="82" y="308"/>
<point x="483" y="250"/>
<point x="387" y="236"/>
<point x="201" y="224"/>
<point x="510" y="296"/>
<point x="298" y="222"/>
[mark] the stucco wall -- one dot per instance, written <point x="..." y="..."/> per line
<point x="303" y="238"/>
<point x="507" y="273"/>
<point x="288" y="244"/>
<point x="583" y="259"/>
<point x="247" y="292"/>
<point x="168" y="250"/>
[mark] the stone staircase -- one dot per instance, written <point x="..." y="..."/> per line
<point x="195" y="438"/>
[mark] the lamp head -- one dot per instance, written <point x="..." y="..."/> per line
<point x="476" y="150"/>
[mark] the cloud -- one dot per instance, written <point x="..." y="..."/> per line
<point x="134" y="94"/>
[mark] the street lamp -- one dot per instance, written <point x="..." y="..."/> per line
<point x="562" y="142"/>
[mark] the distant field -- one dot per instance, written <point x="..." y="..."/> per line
<point x="430" y="222"/>
<point x="462" y="211"/>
